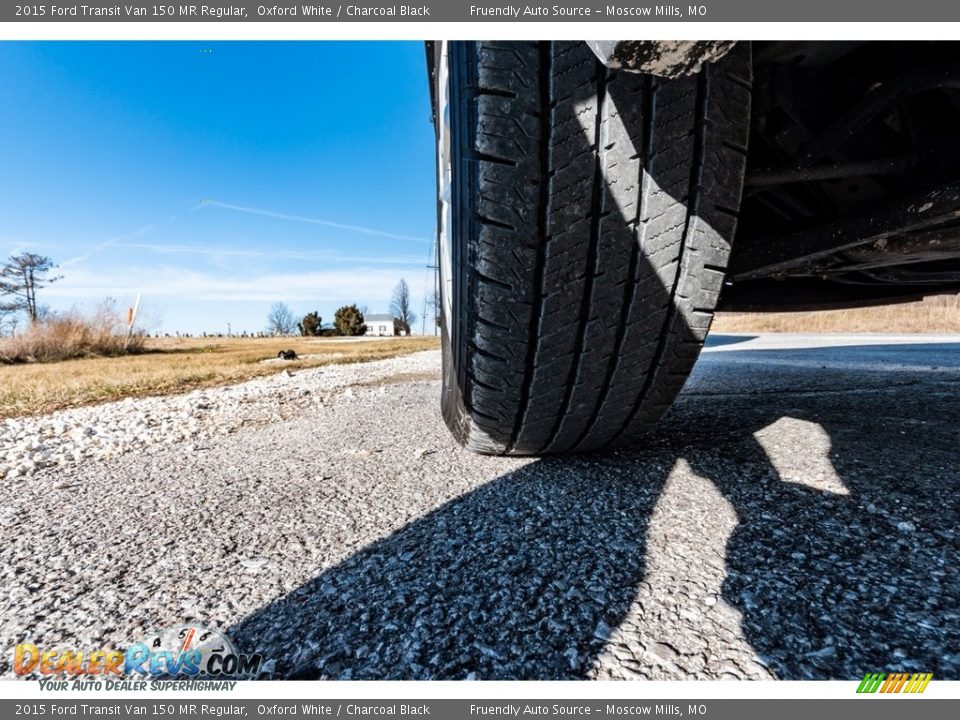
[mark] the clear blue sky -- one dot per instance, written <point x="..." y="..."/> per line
<point x="317" y="156"/>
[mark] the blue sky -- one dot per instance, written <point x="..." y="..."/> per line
<point x="218" y="178"/>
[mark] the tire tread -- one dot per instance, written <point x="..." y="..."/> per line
<point x="601" y="207"/>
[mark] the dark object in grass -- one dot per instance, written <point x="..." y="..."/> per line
<point x="287" y="355"/>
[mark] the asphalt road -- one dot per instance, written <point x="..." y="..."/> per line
<point x="795" y="516"/>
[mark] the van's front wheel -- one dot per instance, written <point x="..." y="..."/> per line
<point x="586" y="217"/>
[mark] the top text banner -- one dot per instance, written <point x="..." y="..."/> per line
<point x="738" y="11"/>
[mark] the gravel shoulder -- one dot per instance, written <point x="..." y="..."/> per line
<point x="794" y="517"/>
<point x="144" y="425"/>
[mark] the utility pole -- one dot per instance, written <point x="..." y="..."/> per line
<point x="429" y="302"/>
<point x="436" y="289"/>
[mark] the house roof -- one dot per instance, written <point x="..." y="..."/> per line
<point x="378" y="318"/>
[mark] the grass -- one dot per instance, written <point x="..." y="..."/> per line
<point x="174" y="366"/>
<point x="71" y="335"/>
<point x="932" y="315"/>
<point x="166" y="366"/>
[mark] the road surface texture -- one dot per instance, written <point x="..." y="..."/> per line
<point x="795" y="516"/>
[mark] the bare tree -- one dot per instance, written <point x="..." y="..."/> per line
<point x="433" y="303"/>
<point x="280" y="320"/>
<point x="8" y="320"/>
<point x="401" y="308"/>
<point x="20" y="279"/>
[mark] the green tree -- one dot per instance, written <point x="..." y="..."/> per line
<point x="311" y="324"/>
<point x="349" y="321"/>
<point x="20" y="279"/>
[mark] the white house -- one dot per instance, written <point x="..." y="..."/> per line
<point x="379" y="325"/>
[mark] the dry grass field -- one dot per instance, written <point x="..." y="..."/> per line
<point x="933" y="315"/>
<point x="179" y="365"/>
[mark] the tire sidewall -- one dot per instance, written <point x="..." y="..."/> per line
<point x="451" y="401"/>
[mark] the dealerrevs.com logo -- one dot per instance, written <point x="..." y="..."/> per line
<point x="189" y="651"/>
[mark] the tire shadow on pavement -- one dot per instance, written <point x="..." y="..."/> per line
<point x="521" y="578"/>
<point x="839" y="572"/>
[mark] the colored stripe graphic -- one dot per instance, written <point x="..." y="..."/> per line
<point x="894" y="682"/>
<point x="898" y="680"/>
<point x="870" y="683"/>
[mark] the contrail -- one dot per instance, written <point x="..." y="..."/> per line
<point x="276" y="254"/>
<point x="313" y="221"/>
<point x="108" y="243"/>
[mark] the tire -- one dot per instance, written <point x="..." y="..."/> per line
<point x="586" y="217"/>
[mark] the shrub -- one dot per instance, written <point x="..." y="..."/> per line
<point x="72" y="335"/>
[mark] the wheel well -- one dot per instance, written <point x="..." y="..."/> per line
<point x="852" y="175"/>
